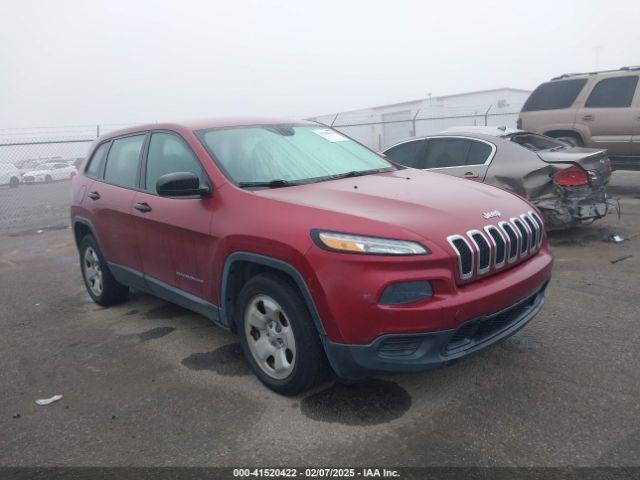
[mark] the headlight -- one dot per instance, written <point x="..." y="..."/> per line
<point x="346" y="243"/>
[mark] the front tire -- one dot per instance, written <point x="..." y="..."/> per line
<point x="278" y="336"/>
<point x="14" y="182"/>
<point x="48" y="179"/>
<point x="102" y="287"/>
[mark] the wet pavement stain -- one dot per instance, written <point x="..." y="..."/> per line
<point x="521" y="343"/>
<point x="227" y="360"/>
<point x="368" y="403"/>
<point x="154" y="333"/>
<point x="165" y="311"/>
<point x="132" y="312"/>
<point x="36" y="231"/>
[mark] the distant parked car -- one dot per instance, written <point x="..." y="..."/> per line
<point x="568" y="184"/>
<point x="9" y="175"/>
<point x="597" y="109"/>
<point x="49" y="173"/>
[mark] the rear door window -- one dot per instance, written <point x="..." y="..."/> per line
<point x="554" y="95"/>
<point x="123" y="161"/>
<point x="615" y="92"/>
<point x="479" y="153"/>
<point x="95" y="164"/>
<point x="168" y="153"/>
<point x="446" y="152"/>
<point x="407" y="154"/>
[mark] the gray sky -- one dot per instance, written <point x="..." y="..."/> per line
<point x="82" y="62"/>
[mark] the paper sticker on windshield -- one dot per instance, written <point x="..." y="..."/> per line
<point x="330" y="135"/>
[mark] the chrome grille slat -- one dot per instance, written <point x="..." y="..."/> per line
<point x="524" y="236"/>
<point x="533" y="244"/>
<point x="483" y="248"/>
<point x="465" y="271"/>
<point x="513" y="240"/>
<point x="491" y="248"/>
<point x="540" y="224"/>
<point x="500" y="244"/>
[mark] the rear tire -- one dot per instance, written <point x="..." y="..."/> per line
<point x="278" y="336"/>
<point x="102" y="287"/>
<point x="14" y="182"/>
<point x="48" y="179"/>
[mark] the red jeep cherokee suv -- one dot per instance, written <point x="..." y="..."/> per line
<point x="315" y="250"/>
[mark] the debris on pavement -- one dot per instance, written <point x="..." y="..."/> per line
<point x="47" y="401"/>
<point x="616" y="238"/>
<point x="619" y="259"/>
<point x="17" y="415"/>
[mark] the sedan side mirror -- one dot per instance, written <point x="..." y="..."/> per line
<point x="181" y="184"/>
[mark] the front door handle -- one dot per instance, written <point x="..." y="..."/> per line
<point x="587" y="118"/>
<point x="470" y="175"/>
<point x="142" y="207"/>
<point x="93" y="195"/>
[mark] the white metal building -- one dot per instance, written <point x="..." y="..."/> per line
<point x="382" y="126"/>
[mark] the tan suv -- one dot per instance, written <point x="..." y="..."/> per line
<point x="597" y="109"/>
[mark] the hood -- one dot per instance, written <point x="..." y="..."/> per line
<point x="429" y="204"/>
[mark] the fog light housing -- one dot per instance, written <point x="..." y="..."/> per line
<point x="406" y="292"/>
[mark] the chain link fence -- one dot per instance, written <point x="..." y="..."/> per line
<point x="36" y="165"/>
<point x="394" y="127"/>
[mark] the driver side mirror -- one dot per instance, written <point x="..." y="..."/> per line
<point x="181" y="184"/>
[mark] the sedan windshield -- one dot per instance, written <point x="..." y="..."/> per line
<point x="272" y="156"/>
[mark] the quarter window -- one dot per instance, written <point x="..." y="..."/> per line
<point x="406" y="154"/>
<point x="123" y="161"/>
<point x="95" y="164"/>
<point x="478" y="153"/>
<point x="446" y="152"/>
<point x="169" y="154"/>
<point x="615" y="92"/>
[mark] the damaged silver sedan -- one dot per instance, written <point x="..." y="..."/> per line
<point x="568" y="184"/>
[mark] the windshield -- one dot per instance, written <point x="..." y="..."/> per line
<point x="280" y="155"/>
<point x="535" y="142"/>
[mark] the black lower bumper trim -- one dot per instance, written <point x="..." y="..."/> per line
<point x="393" y="353"/>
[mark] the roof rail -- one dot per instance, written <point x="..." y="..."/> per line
<point x="626" y="69"/>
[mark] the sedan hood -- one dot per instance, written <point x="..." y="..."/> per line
<point x="429" y="204"/>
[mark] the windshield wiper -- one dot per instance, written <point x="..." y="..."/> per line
<point x="268" y="184"/>
<point x="356" y="173"/>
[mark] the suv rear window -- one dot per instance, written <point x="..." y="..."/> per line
<point x="123" y="161"/>
<point x="554" y="95"/>
<point x="616" y="92"/>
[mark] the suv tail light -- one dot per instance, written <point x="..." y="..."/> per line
<point x="571" y="177"/>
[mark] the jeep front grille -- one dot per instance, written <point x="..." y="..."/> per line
<point x="481" y="252"/>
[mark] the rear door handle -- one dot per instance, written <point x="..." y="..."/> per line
<point x="142" y="207"/>
<point x="470" y="175"/>
<point x="587" y="117"/>
<point x="93" y="195"/>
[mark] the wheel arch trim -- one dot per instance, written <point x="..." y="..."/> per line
<point x="87" y="223"/>
<point x="276" y="264"/>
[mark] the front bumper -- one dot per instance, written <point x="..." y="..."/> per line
<point x="391" y="353"/>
